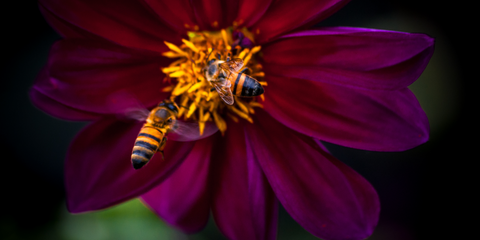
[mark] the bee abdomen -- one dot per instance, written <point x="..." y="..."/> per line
<point x="145" y="146"/>
<point x="251" y="87"/>
<point x="247" y="86"/>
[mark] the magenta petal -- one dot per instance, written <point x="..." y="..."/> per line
<point x="57" y="109"/>
<point x="127" y="23"/>
<point x="244" y="206"/>
<point x="287" y="15"/>
<point x="322" y="194"/>
<point x="250" y="11"/>
<point x="263" y="203"/>
<point x="356" y="118"/>
<point x="183" y="199"/>
<point x="98" y="171"/>
<point x="356" y="57"/>
<point x="215" y="14"/>
<point x="64" y="28"/>
<point x="177" y="14"/>
<point x="84" y="73"/>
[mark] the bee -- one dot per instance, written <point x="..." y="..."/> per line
<point x="228" y="79"/>
<point x="152" y="137"/>
<point x="160" y="121"/>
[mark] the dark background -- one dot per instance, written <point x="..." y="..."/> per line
<point x="425" y="192"/>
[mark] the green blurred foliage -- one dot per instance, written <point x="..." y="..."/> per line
<point x="131" y="220"/>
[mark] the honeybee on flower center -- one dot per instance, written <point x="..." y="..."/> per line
<point x="229" y="78"/>
<point x="196" y="75"/>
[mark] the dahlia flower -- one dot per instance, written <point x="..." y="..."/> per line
<point x="343" y="85"/>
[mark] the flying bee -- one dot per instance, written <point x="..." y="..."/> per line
<point x="228" y="79"/>
<point x="153" y="135"/>
<point x="159" y="122"/>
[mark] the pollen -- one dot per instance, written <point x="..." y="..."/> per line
<point x="198" y="95"/>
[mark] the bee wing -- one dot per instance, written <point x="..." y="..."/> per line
<point x="139" y="114"/>
<point x="224" y="92"/>
<point x="189" y="131"/>
<point x="125" y="105"/>
<point x="233" y="65"/>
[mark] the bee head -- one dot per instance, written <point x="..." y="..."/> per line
<point x="169" y="105"/>
<point x="165" y="114"/>
<point x="162" y="117"/>
<point x="212" y="69"/>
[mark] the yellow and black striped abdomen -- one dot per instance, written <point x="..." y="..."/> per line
<point x="146" y="145"/>
<point x="244" y="85"/>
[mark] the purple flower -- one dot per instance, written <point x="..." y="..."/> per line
<point x="342" y="85"/>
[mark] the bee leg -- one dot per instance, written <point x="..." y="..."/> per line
<point x="162" y="146"/>
<point x="219" y="56"/>
<point x="212" y="89"/>
<point x="228" y="57"/>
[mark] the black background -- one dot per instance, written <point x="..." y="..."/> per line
<point x="426" y="192"/>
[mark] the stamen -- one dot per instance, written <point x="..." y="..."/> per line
<point x="196" y="100"/>
<point x="243" y="53"/>
<point x="168" y="88"/>
<point x="175" y="48"/>
<point x="235" y="119"/>
<point x="190" y="45"/>
<point x="242" y="106"/>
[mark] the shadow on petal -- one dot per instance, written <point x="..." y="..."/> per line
<point x="244" y="205"/>
<point x="98" y="170"/>
<point x="322" y="194"/>
<point x="183" y="199"/>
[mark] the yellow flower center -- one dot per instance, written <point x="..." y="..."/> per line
<point x="195" y="85"/>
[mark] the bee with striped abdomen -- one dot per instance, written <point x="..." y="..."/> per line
<point x="228" y="78"/>
<point x="152" y="137"/>
<point x="159" y="122"/>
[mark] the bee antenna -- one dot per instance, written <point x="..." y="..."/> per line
<point x="210" y="53"/>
